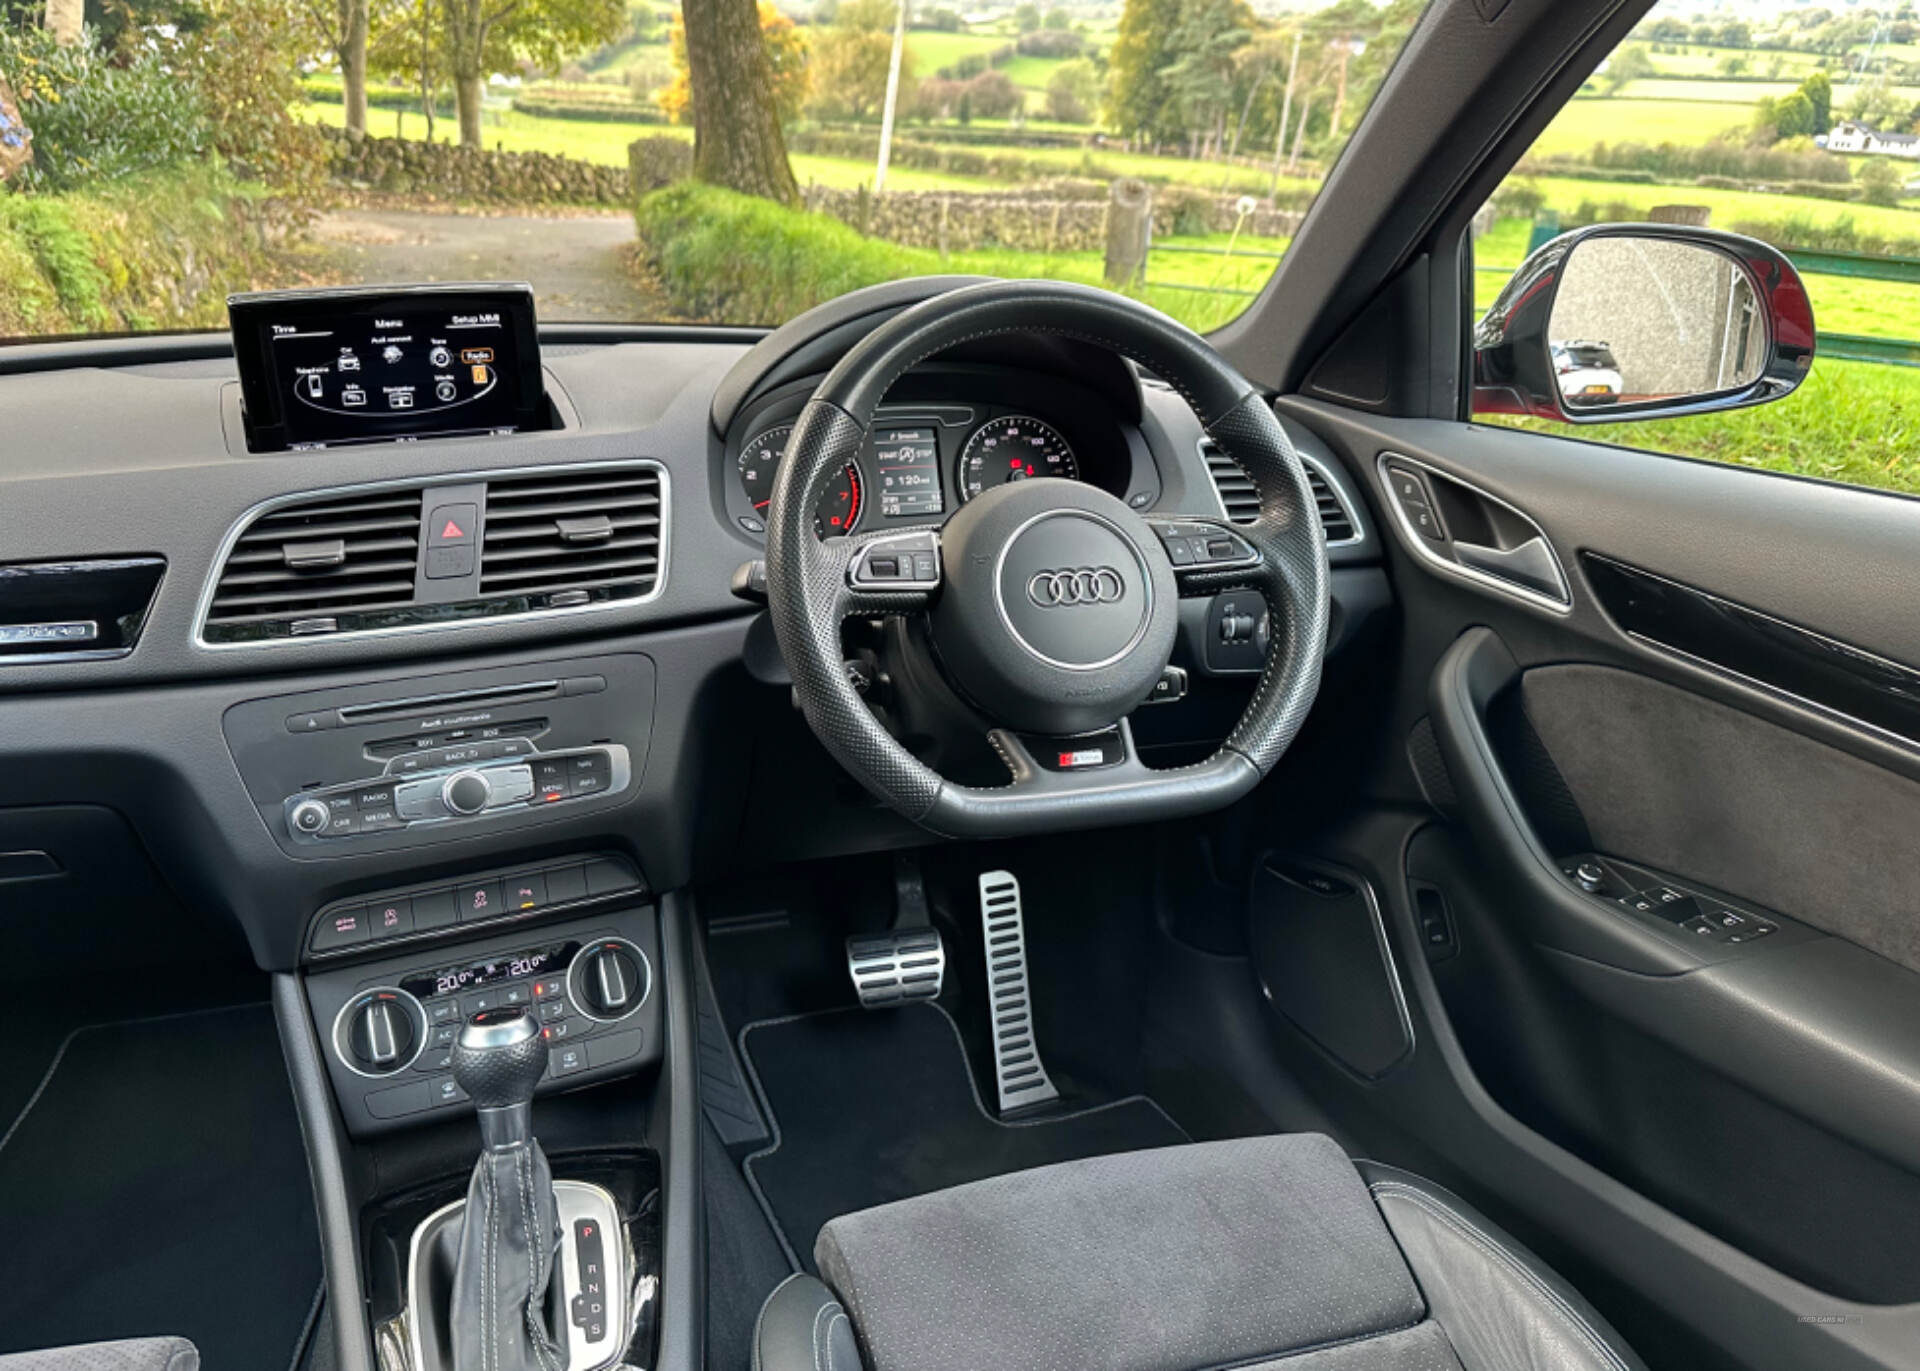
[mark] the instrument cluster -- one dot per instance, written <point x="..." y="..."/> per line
<point x="925" y="457"/>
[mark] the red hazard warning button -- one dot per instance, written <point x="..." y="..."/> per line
<point x="452" y="525"/>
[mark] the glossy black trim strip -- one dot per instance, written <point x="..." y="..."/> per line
<point x="1796" y="662"/>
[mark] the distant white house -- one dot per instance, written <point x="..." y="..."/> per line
<point x="1852" y="136"/>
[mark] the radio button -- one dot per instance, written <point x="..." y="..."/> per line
<point x="379" y="821"/>
<point x="467" y="792"/>
<point x="341" y="803"/>
<point x="589" y="773"/>
<point x="343" y="825"/>
<point x="309" y="816"/>
<point x="371" y="797"/>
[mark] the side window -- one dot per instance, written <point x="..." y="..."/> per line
<point x="1795" y="125"/>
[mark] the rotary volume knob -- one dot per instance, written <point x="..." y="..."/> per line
<point x="466" y="792"/>
<point x="309" y="816"/>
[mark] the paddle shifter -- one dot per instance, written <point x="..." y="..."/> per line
<point x="502" y="1318"/>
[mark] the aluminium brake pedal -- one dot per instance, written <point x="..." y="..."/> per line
<point x="895" y="968"/>
<point x="1017" y="1069"/>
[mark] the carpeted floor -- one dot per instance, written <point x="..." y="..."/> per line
<point x="156" y="1183"/>
<point x="874" y="1107"/>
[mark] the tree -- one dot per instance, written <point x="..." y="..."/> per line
<point x="737" y="140"/>
<point x="786" y="55"/>
<point x="1629" y="64"/>
<point x="850" y="62"/>
<point x="1199" y="74"/>
<point x="1072" y="92"/>
<point x="345" y="26"/>
<point x="1791" y="116"/>
<point x="1026" y="16"/>
<point x="1880" y="183"/>
<point x="1876" y="104"/>
<point x="1818" y="88"/>
<point x="65" y="19"/>
<point x="1058" y="18"/>
<point x="489" y="35"/>
<point x="1138" y="101"/>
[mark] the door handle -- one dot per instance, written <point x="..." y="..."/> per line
<point x="1531" y="564"/>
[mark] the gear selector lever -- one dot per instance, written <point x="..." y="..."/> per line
<point x="502" y="1317"/>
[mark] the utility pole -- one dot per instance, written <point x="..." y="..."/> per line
<point x="1286" y="108"/>
<point x="893" y="97"/>
<point x="1300" y="132"/>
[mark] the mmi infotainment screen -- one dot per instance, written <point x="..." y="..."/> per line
<point x="328" y="367"/>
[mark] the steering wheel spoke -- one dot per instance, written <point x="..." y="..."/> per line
<point x="887" y="573"/>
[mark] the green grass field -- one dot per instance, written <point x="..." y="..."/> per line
<point x="1621" y="119"/>
<point x="932" y="51"/>
<point x="1704" y="61"/>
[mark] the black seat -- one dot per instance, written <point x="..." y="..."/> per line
<point x="1266" y="1254"/>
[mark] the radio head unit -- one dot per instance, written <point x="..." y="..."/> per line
<point x="319" y="368"/>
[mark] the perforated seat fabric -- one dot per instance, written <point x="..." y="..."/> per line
<point x="1261" y="1254"/>
<point x="128" y="1354"/>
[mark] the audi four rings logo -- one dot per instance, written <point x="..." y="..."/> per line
<point x="1086" y="585"/>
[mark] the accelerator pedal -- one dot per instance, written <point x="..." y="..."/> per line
<point x="1017" y="1069"/>
<point x="895" y="968"/>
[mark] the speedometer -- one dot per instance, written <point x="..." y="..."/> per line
<point x="839" y="508"/>
<point x="1014" y="447"/>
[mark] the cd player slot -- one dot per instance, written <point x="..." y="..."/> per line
<point x="376" y="711"/>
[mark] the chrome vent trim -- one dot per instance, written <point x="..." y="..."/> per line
<point x="592" y="532"/>
<point x="326" y="557"/>
<point x="470" y="614"/>
<point x="1241" y="504"/>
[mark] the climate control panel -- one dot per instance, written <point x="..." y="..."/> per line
<point x="389" y="1030"/>
<point x="413" y="792"/>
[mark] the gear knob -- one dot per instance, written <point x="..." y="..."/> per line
<point x="498" y="1058"/>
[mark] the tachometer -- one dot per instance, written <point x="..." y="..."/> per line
<point x="1014" y="447"/>
<point x="839" y="508"/>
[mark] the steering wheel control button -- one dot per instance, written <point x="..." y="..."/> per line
<point x="1171" y="686"/>
<point x="1203" y="545"/>
<point x="907" y="561"/>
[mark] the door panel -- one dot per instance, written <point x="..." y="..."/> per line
<point x="1764" y="1090"/>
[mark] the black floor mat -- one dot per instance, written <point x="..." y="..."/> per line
<point x="870" y="1108"/>
<point x="157" y="1184"/>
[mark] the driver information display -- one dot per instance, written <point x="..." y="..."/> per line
<point x="446" y="370"/>
<point x="908" y="460"/>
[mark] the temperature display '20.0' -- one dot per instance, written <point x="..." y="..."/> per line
<point x="839" y="509"/>
<point x="1014" y="447"/>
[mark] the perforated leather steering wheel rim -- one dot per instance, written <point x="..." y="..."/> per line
<point x="810" y="595"/>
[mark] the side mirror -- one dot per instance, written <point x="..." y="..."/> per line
<point x="1643" y="321"/>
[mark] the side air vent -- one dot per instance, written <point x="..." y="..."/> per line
<point x="1242" y="502"/>
<point x="335" y="564"/>
<point x="573" y="538"/>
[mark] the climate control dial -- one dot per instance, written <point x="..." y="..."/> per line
<point x="379" y="1032"/>
<point x="610" y="979"/>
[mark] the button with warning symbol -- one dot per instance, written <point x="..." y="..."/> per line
<point x="451" y="533"/>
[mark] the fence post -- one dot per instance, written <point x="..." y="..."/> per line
<point x="1129" y="231"/>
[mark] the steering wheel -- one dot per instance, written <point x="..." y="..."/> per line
<point x="1052" y="606"/>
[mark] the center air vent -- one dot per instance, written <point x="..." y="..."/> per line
<point x="573" y="538"/>
<point x="334" y="564"/>
<point x="1242" y="502"/>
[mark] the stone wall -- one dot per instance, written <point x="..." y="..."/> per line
<point x="456" y="173"/>
<point x="1061" y="218"/>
